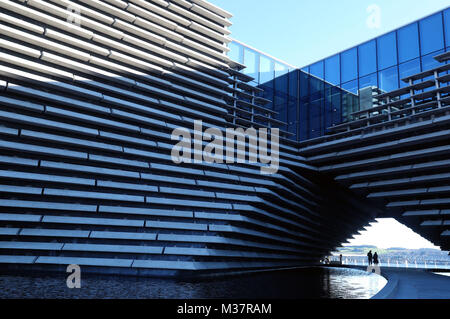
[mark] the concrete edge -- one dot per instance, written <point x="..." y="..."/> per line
<point x="389" y="289"/>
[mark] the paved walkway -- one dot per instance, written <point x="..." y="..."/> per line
<point x="407" y="283"/>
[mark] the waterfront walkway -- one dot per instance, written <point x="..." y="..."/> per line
<point x="407" y="283"/>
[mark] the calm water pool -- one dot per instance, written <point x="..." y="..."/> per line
<point x="288" y="284"/>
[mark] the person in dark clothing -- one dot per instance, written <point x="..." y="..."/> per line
<point x="369" y="257"/>
<point x="375" y="258"/>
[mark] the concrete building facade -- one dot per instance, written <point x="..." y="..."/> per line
<point x="91" y="92"/>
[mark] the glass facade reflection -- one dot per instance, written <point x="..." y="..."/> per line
<point x="316" y="97"/>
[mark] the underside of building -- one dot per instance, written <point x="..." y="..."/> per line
<point x="91" y="92"/>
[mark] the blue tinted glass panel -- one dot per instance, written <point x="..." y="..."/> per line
<point x="304" y="85"/>
<point x="281" y="92"/>
<point x="303" y="121"/>
<point x="351" y="87"/>
<point x="328" y="106"/>
<point x="332" y="70"/>
<point x="282" y="116"/>
<point x="317" y="69"/>
<point x="251" y="61"/>
<point x="236" y="52"/>
<point x="315" y="118"/>
<point x="408" y="43"/>
<point x="388" y="79"/>
<point x="303" y="129"/>
<point x="350" y="99"/>
<point x="280" y="69"/>
<point x="428" y="62"/>
<point x="431" y="34"/>
<point x="336" y="105"/>
<point x="408" y="69"/>
<point x="281" y="108"/>
<point x="368" y="86"/>
<point x="292" y="117"/>
<point x="266" y="70"/>
<point x="387" y="51"/>
<point x="293" y="83"/>
<point x="268" y="94"/>
<point x="367" y="54"/>
<point x="332" y="106"/>
<point x="315" y="86"/>
<point x="349" y="65"/>
<point x="447" y="27"/>
<point x="282" y="83"/>
<point x="368" y="81"/>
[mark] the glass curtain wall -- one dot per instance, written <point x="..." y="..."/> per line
<point x="316" y="97"/>
<point x="278" y="80"/>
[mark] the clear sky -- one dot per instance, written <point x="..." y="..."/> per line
<point x="388" y="233"/>
<point x="301" y="32"/>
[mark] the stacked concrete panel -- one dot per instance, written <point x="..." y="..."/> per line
<point x="90" y="94"/>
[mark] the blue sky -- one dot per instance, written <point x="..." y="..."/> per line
<point x="301" y="32"/>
